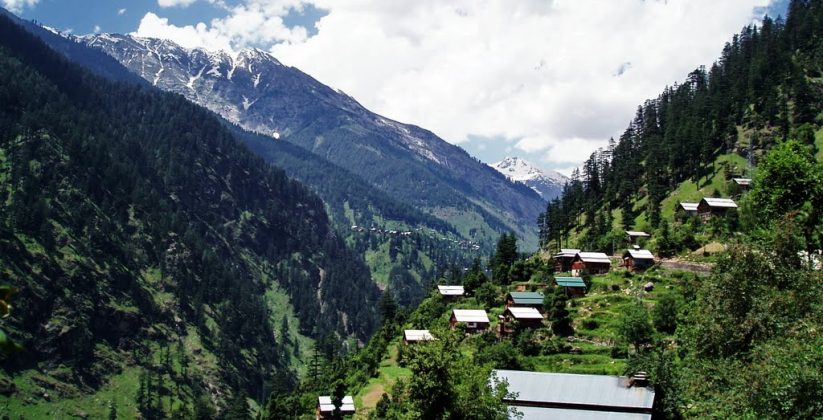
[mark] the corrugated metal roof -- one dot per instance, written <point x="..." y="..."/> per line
<point x="570" y="282"/>
<point x="326" y="405"/>
<point x="527" y="298"/>
<point x="417" y="335"/>
<point x="594" y="257"/>
<point x="567" y="388"/>
<point x="743" y="181"/>
<point x="524" y="313"/>
<point x="637" y="233"/>
<point x="542" y="413"/>
<point x="451" y="290"/>
<point x="641" y="254"/>
<point x="720" y="202"/>
<point x="471" y="315"/>
<point x="689" y="206"/>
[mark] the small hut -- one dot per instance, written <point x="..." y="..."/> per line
<point x="637" y="259"/>
<point x="475" y="320"/>
<point x="689" y="207"/>
<point x="451" y="292"/>
<point x="573" y="286"/>
<point x="635" y="235"/>
<point x="743" y="183"/>
<point x="593" y="262"/>
<point x="325" y="407"/>
<point x="416" y="336"/>
<point x="563" y="259"/>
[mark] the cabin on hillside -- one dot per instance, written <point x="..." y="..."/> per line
<point x="525" y="300"/>
<point x="325" y="407"/>
<point x="689" y="207"/>
<point x="563" y="259"/>
<point x="743" y="183"/>
<point x="708" y="207"/>
<point x="451" y="292"/>
<point x="475" y="320"/>
<point x="637" y="259"/>
<point x="592" y="262"/>
<point x="416" y="336"/>
<point x="525" y="318"/>
<point x="634" y="235"/>
<point x="573" y="286"/>
<point x="544" y="395"/>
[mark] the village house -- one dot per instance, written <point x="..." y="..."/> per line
<point x="451" y="292"/>
<point x="563" y="259"/>
<point x="325" y="407"/>
<point x="689" y="207"/>
<point x="743" y="183"/>
<point x="637" y="259"/>
<point x="708" y="207"/>
<point x="525" y="317"/>
<point x="525" y="300"/>
<point x="573" y="286"/>
<point x="635" y="235"/>
<point x="416" y="336"/>
<point x="475" y="320"/>
<point x="592" y="262"/>
<point x="544" y="395"/>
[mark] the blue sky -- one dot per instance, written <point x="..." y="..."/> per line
<point x="549" y="81"/>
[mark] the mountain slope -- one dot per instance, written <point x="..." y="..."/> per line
<point x="766" y="87"/>
<point x="549" y="184"/>
<point x="413" y="165"/>
<point x="133" y="222"/>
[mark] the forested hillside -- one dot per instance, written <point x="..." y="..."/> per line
<point x="155" y="255"/>
<point x="766" y="86"/>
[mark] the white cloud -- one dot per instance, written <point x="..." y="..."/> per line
<point x="175" y="3"/>
<point x="17" y="6"/>
<point x="556" y="78"/>
<point x="121" y="12"/>
<point x="97" y="29"/>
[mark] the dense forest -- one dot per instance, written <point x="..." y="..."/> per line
<point x="135" y="225"/>
<point x="767" y="86"/>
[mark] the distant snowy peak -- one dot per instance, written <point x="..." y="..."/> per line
<point x="547" y="183"/>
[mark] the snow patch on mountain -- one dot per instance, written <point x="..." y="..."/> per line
<point x="547" y="183"/>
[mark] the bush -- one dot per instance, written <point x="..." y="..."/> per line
<point x="590" y="324"/>
<point x="619" y="351"/>
<point x="555" y="346"/>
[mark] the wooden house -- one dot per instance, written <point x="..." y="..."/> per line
<point x="689" y="207"/>
<point x="563" y="259"/>
<point x="416" y="336"/>
<point x="637" y="259"/>
<point x="325" y="407"/>
<point x="592" y="262"/>
<point x="634" y="235"/>
<point x="743" y="183"/>
<point x="708" y="207"/>
<point x="451" y="292"/>
<point x="573" y="286"/>
<point x="526" y="317"/>
<point x="525" y="300"/>
<point x="475" y="320"/>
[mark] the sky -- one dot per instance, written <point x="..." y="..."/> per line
<point x="546" y="80"/>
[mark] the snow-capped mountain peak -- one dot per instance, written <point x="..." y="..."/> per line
<point x="547" y="183"/>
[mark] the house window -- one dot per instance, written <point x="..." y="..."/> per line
<point x="471" y="325"/>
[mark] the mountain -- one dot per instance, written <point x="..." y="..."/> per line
<point x="155" y="254"/>
<point x="255" y="91"/>
<point x="694" y="138"/>
<point x="549" y="184"/>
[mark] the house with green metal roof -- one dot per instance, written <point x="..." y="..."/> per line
<point x="525" y="300"/>
<point x="573" y="286"/>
